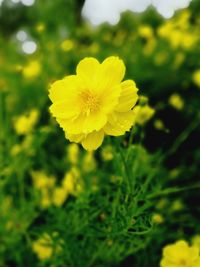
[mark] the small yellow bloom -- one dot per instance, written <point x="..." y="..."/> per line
<point x="43" y="247"/>
<point x="67" y="45"/>
<point x="145" y="31"/>
<point x="72" y="182"/>
<point x="24" y="124"/>
<point x="180" y="254"/>
<point x="42" y="180"/>
<point x="40" y="27"/>
<point x="196" y="77"/>
<point x="73" y="153"/>
<point x="60" y="194"/>
<point x="159" y="125"/>
<point x="32" y="70"/>
<point x="107" y="153"/>
<point x="94" y="102"/>
<point x="143" y="114"/>
<point x="176" y="101"/>
<point x="157" y="218"/>
<point x="89" y="162"/>
<point x="177" y="205"/>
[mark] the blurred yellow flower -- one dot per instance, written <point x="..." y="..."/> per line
<point x="60" y="194"/>
<point x="42" y="180"/>
<point x="24" y="124"/>
<point x="40" y="27"/>
<point x="159" y="125"/>
<point x="73" y="153"/>
<point x="196" y="77"/>
<point x="32" y="69"/>
<point x="72" y="182"/>
<point x="143" y="114"/>
<point x="107" y="153"/>
<point x="45" y="184"/>
<point x="94" y="102"/>
<point x="180" y="254"/>
<point x="145" y="31"/>
<point x="67" y="45"/>
<point x="89" y="162"/>
<point x="157" y="218"/>
<point x="43" y="247"/>
<point x="176" y="101"/>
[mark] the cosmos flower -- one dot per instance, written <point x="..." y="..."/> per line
<point x="94" y="102"/>
<point x="180" y="254"/>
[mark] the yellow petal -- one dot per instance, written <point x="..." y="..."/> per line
<point x="88" y="69"/>
<point x="94" y="122"/>
<point x="176" y="251"/>
<point x="196" y="263"/>
<point x="65" y="109"/>
<point x="119" y="123"/>
<point x="93" y="140"/>
<point x="194" y="253"/>
<point x="112" y="72"/>
<point x="64" y="89"/>
<point x="166" y="263"/>
<point x="128" y="97"/>
<point x="77" y="138"/>
<point x="74" y="126"/>
<point x="110" y="98"/>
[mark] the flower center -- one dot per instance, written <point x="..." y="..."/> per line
<point x="89" y="102"/>
<point x="183" y="263"/>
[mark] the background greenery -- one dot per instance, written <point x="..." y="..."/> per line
<point x="124" y="202"/>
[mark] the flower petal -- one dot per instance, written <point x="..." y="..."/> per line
<point x="93" y="140"/>
<point x="110" y="98"/>
<point x="119" y="123"/>
<point x="128" y="97"/>
<point x="77" y="138"/>
<point x="88" y="69"/>
<point x="65" y="109"/>
<point x="94" y="122"/>
<point x="64" y="88"/>
<point x="112" y="72"/>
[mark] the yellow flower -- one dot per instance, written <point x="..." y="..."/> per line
<point x="143" y="114"/>
<point x="67" y="45"/>
<point x="72" y="182"/>
<point x="45" y="184"/>
<point x="180" y="254"/>
<point x="43" y="247"/>
<point x="159" y="125"/>
<point x="176" y="101"/>
<point x="60" y="194"/>
<point x="24" y="124"/>
<point x="40" y="27"/>
<point x="145" y="31"/>
<point x="89" y="162"/>
<point x="42" y="180"/>
<point x="157" y="218"/>
<point x="196" y="77"/>
<point x="73" y="153"/>
<point x="32" y="69"/>
<point x="107" y="153"/>
<point x="94" y="102"/>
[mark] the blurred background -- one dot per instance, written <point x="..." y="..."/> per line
<point x="42" y="41"/>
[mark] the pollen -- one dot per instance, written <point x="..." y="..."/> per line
<point x="89" y="102"/>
